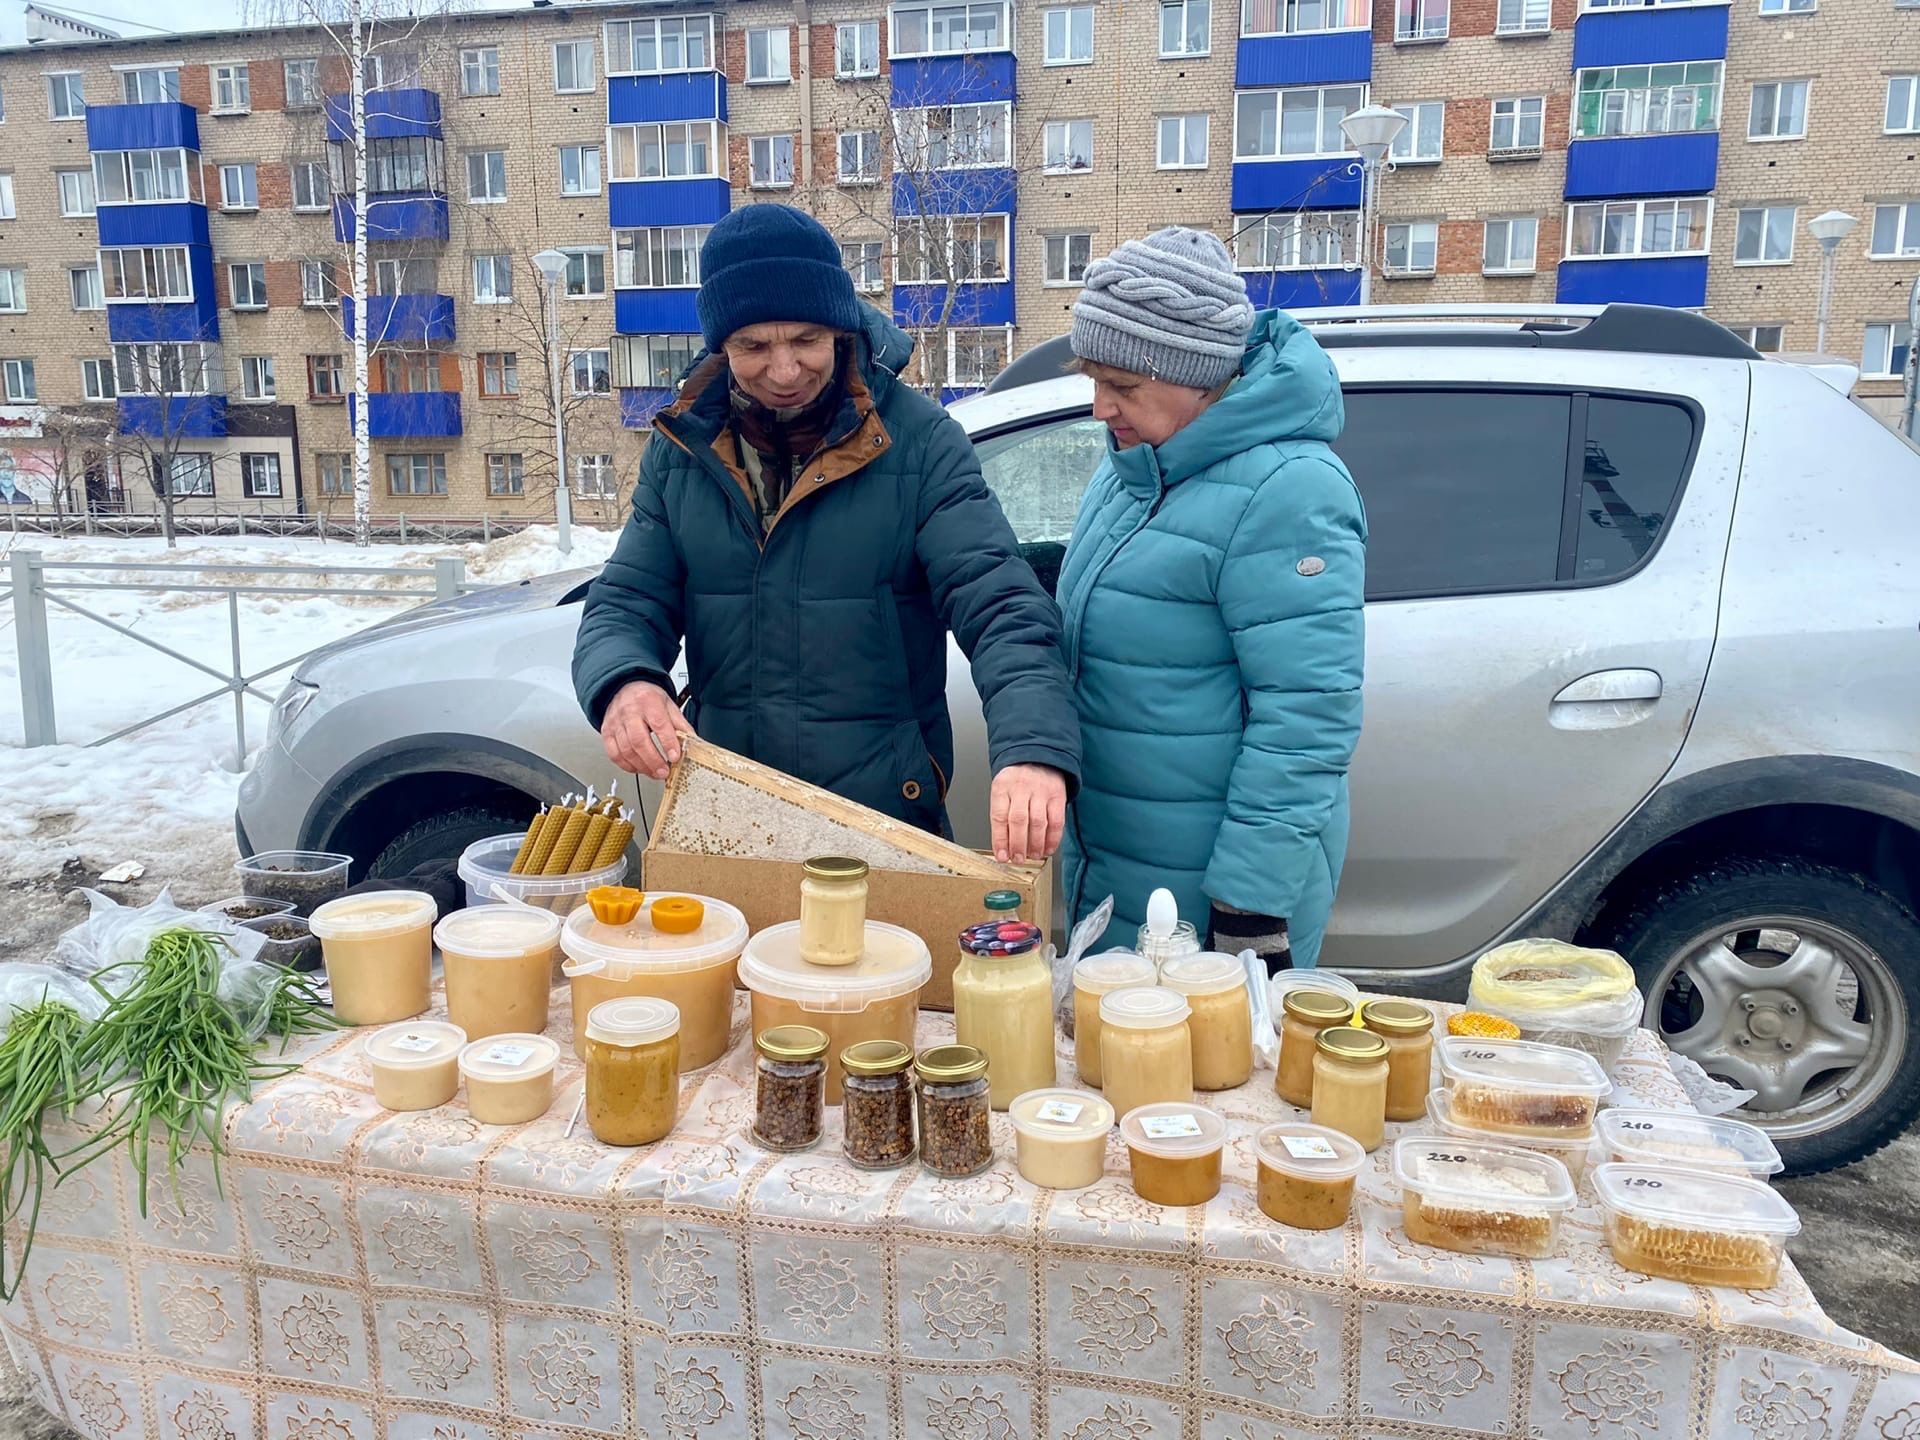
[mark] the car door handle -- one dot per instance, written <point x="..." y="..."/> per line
<point x="1606" y="700"/>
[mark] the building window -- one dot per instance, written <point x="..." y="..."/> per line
<point x="1417" y="20"/>
<point x="1523" y="17"/>
<point x="1767" y="339"/>
<point x="403" y="165"/>
<point x="1302" y="17"/>
<point x="1882" y="357"/>
<point x="302" y="78"/>
<point x="1519" y="125"/>
<point x="1896" y="231"/>
<point x="1764" y="235"/>
<point x="407" y="275"/>
<point x="336" y="472"/>
<point x="593" y="476"/>
<point x="663" y="46"/>
<point x="239" y="187"/>
<point x="1186" y="28"/>
<point x="1787" y="7"/>
<point x="96" y="379"/>
<point x="256" y="377"/>
<point x="1903" y="104"/>
<point x="654" y="362"/>
<point x="391" y="68"/>
<point x="138" y="176"/>
<point x="190" y="475"/>
<point x="499" y="373"/>
<point x="953" y="137"/>
<point x="941" y="248"/>
<point x="975" y="357"/>
<point x="672" y="151"/>
<point x="859" y="157"/>
<point x="1778" y="111"/>
<point x="260" y="477"/>
<point x="506" y="475"/>
<point x="7" y="211"/>
<point x="856" y="49"/>
<point x="1627" y="228"/>
<point x="1069" y="146"/>
<point x="247" y="279"/>
<point x="1509" y="246"/>
<point x="573" y="67"/>
<point x="1183" y="142"/>
<point x="586" y="272"/>
<point x="492" y="279"/>
<point x="83" y="282"/>
<point x="480" y="70"/>
<point x="1648" y="99"/>
<point x="1069" y="35"/>
<point x="167" y="369"/>
<point x="311" y="190"/>
<point x="667" y="257"/>
<point x="66" y="96"/>
<point x="156" y="273"/>
<point x="150" y="85"/>
<point x="769" y="55"/>
<point x="591" y="372"/>
<point x="1422" y="141"/>
<point x="1067" y="258"/>
<point x="13" y="289"/>
<point x="76" y="192"/>
<point x="579" y="169"/>
<point x="1306" y="241"/>
<point x="232" y="90"/>
<point x="16" y="378"/>
<point x="487" y="177"/>
<point x="770" y="162"/>
<point x="424" y="474"/>
<point x="1412" y="248"/>
<point x="1277" y="124"/>
<point x="326" y="377"/>
<point x="317" y="284"/>
<point x="865" y="261"/>
<point x="949" y="29"/>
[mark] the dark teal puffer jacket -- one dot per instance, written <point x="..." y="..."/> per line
<point x="823" y="652"/>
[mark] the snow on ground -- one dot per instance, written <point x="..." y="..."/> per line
<point x="164" y="796"/>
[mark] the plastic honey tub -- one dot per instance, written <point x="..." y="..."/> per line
<point x="694" y="969"/>
<point x="498" y="964"/>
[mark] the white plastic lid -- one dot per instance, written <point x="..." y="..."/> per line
<point x="1174" y="1130"/>
<point x="1206" y="973"/>
<point x="1312" y="1152"/>
<point x="1452" y="1169"/>
<point x="415" y="1043"/>
<point x="1690" y="1141"/>
<point x="633" y="1020"/>
<point x="1061" y="1114"/>
<point x="1694" y="1200"/>
<point x="1287" y="981"/>
<point x="620" y="952"/>
<point x="370" y="916"/>
<point x="292" y="862"/>
<point x="896" y="962"/>
<point x="490" y="861"/>
<point x="1440" y="1115"/>
<point x="1522" y="1065"/>
<point x="509" y="1057"/>
<point x="497" y="932"/>
<point x="1115" y="970"/>
<point x="1144" y="1007"/>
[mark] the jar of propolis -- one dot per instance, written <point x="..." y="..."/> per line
<point x="1308" y="1012"/>
<point x="1407" y="1027"/>
<point x="1350" y="1084"/>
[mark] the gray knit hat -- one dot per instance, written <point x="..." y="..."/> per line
<point x="1169" y="307"/>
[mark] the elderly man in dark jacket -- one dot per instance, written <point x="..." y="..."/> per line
<point x="813" y="527"/>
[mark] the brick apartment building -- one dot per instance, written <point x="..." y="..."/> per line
<point x="176" y="211"/>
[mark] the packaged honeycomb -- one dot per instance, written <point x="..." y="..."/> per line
<point x="1689" y="1141"/>
<point x="1517" y="1087"/>
<point x="1693" y="1226"/>
<point x="1576" y="1153"/>
<point x="1487" y="1027"/>
<point x="1480" y="1198"/>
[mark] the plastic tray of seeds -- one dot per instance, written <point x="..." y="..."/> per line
<point x="1575" y="1152"/>
<point x="288" y="941"/>
<point x="1687" y="1140"/>
<point x="1518" y="1087"/>
<point x="306" y="879"/>
<point x="1693" y="1226"/>
<point x="1481" y="1198"/>
<point x="247" y="907"/>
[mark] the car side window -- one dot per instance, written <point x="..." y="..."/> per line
<point x="1636" y="456"/>
<point x="1039" y="473"/>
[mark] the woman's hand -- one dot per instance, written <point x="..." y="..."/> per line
<point x="1029" y="812"/>
<point x="642" y="730"/>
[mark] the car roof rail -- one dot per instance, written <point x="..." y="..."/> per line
<point x="1619" y="328"/>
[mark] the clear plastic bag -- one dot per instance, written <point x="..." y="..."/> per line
<point x="1083" y="936"/>
<point x="114" y="934"/>
<point x="24" y="985"/>
<point x="1266" y="1041"/>
<point x="1560" y="994"/>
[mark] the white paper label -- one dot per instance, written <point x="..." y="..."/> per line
<point x="1309" y="1147"/>
<point x="1059" y="1112"/>
<point x="414" y="1044"/>
<point x="509" y="1055"/>
<point x="1170" y="1127"/>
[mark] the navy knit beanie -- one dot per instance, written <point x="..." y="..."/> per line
<point x="764" y="263"/>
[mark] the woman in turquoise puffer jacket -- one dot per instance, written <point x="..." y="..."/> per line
<point x="1213" y="601"/>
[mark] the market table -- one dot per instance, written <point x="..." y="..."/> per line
<point x="366" y="1274"/>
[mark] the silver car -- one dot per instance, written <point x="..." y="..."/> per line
<point x="1643" y="670"/>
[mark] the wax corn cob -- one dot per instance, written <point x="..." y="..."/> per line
<point x="526" y="845"/>
<point x="560" y="862"/>
<point x="616" y="842"/>
<point x="549" y="837"/>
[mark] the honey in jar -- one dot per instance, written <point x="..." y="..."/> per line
<point x="833" y="910"/>
<point x="1003" y="1006"/>
<point x="1093" y="978"/>
<point x="1308" y="1012"/>
<point x="1221" y="1022"/>
<point x="1146" y="1053"/>
<point x="1350" y="1084"/>
<point x="1407" y="1027"/>
<point x="633" y="1070"/>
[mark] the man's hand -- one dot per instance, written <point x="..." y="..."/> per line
<point x="1029" y="810"/>
<point x="642" y="730"/>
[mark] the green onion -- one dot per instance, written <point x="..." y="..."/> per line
<point x="37" y="1070"/>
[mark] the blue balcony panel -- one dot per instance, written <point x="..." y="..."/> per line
<point x="425" y="319"/>
<point x="655" y="312"/>
<point x="1302" y="289"/>
<point x="918" y="306"/>
<point x="170" y="223"/>
<point x="1339" y="57"/>
<point x="993" y="191"/>
<point x="430" y="415"/>
<point x="1656" y="36"/>
<point x="162" y="417"/>
<point x="667" y="202"/>
<point x="638" y="407"/>
<point x="391" y="114"/>
<point x="134" y="320"/>
<point x="1262" y="185"/>
<point x="416" y="216"/>
<point x="1643" y="165"/>
<point x="168" y="125"/>
<point x="1676" y="280"/>
<point x="636" y="99"/>
<point x="952" y="80"/>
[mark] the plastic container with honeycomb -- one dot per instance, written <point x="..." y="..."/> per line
<point x="1515" y="1087"/>
<point x="1577" y="1154"/>
<point x="1693" y="1226"/>
<point x="1487" y="1027"/>
<point x="1480" y="1198"/>
<point x="1689" y="1141"/>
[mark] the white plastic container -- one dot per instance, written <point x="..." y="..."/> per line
<point x="1575" y="1152"/>
<point x="498" y="963"/>
<point x="1307" y="1174"/>
<point x="1175" y="1152"/>
<point x="1287" y="981"/>
<point x="415" y="1064"/>
<point x="509" y="1078"/>
<point x="1094" y="977"/>
<point x="1687" y="1141"/>
<point x="306" y="879"/>
<point x="694" y="969"/>
<point x="378" y="952"/>
<point x="241" y="908"/>
<point x="1518" y="1087"/>
<point x="1060" y="1137"/>
<point x="487" y="863"/>
<point x="1480" y="1198"/>
<point x="1220" y="1018"/>
<point x="1693" y="1226"/>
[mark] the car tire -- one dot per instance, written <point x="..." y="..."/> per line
<point x="446" y="836"/>
<point x="1667" y="932"/>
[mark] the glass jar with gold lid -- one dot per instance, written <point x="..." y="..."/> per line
<point x="833" y="910"/>
<point x="955" y="1139"/>
<point x="790" y="1081"/>
<point x="1350" y="1083"/>
<point x="1308" y="1012"/>
<point x="876" y="1104"/>
<point x="1407" y="1027"/>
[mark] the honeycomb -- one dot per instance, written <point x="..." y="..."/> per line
<point x="1477" y="1230"/>
<point x="1510" y="1111"/>
<point x="1693" y="1256"/>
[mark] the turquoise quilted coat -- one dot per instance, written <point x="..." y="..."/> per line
<point x="1214" y="636"/>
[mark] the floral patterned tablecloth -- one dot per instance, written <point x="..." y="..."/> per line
<point x="364" y="1275"/>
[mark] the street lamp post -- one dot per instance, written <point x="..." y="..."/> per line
<point x="1829" y="229"/>
<point x="553" y="266"/>
<point x="1371" y="130"/>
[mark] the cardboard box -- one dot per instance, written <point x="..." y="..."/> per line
<point x="741" y="832"/>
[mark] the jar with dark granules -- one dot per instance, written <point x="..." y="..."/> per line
<point x="876" y="1102"/>
<point x="954" y="1137"/>
<point x="790" y="1089"/>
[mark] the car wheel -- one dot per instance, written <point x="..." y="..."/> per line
<point x="445" y="836"/>
<point x="1798" y="981"/>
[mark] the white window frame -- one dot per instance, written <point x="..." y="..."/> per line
<point x="233" y="76"/>
<point x="680" y="26"/>
<point x="96" y="379"/>
<point x="659" y="356"/>
<point x="235" y="269"/>
<point x="604" y="369"/>
<point x="195" y="368"/>
<point x="1532" y="266"/>
<point x="776" y="55"/>
<point x="865" y="64"/>
<point x="1891" y="332"/>
<point x="257" y="380"/>
<point x="1418" y="113"/>
<point x="763" y="162"/>
<point x="1428" y="28"/>
<point x="1184" y="123"/>
<point x="1751" y="334"/>
<point x="190" y="475"/>
<point x="19" y="384"/>
<point x="506" y="473"/>
<point x="72" y="85"/>
<point x="1536" y="17"/>
<point x="96" y="296"/>
<point x="914" y="135"/>
<point x="13" y="289"/>
<point x="592" y="75"/>
<point x="960" y="335"/>
<point x="1906" y="231"/>
<point x="133" y="84"/>
<point x="496" y="263"/>
<point x="472" y="59"/>
<point x="1067" y="51"/>
<point x="1635" y="107"/>
<point x="866" y="157"/>
<point x="594" y="477"/>
<point x="303" y="94"/>
<point x="716" y="144"/>
<point x="1777" y="87"/>
<point x="260" y="475"/>
<point x="585" y="255"/>
<point x="1279" y="126"/>
<point x="325" y="295"/>
<point x="1057" y="140"/>
<point x="8" y="207"/>
<point x="1517" y="120"/>
<point x="1186" y="9"/>
<point x="950" y="223"/>
<point x="1641" y="209"/>
<point x="1419" y="233"/>
<point x="185" y="164"/>
<point x="1911" y="124"/>
<point x="488" y="194"/>
<point x="1294" y="235"/>
<point x="928" y="9"/>
<point x="311" y="168"/>
<point x="1057" y="259"/>
<point x="1308" y="17"/>
<point x="165" y="273"/>
<point x="1788" y="7"/>
<point x="645" y="257"/>
<point x="581" y="154"/>
<point x="864" y="259"/>
<point x="1767" y="215"/>
<point x="244" y="176"/>
<point x="82" y="203"/>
